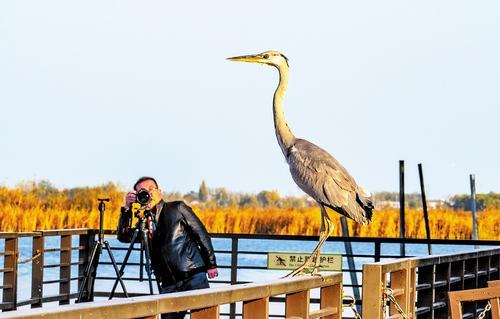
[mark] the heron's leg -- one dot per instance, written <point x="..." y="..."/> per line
<point x="325" y="231"/>
<point x="327" y="223"/>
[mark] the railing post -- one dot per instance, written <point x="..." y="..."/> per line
<point x="206" y="313"/>
<point x="331" y="297"/>
<point x="37" y="270"/>
<point x="297" y="304"/>
<point x="65" y="270"/>
<point x="10" y="273"/>
<point x="256" y="309"/>
<point x="234" y="273"/>
<point x="400" y="284"/>
<point x="374" y="283"/>
<point x="413" y="290"/>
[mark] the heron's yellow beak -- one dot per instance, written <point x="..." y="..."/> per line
<point x="257" y="58"/>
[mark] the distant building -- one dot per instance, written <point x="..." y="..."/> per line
<point x="386" y="204"/>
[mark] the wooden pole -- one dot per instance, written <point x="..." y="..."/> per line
<point x="402" y="206"/>
<point x="473" y="205"/>
<point x="424" y="206"/>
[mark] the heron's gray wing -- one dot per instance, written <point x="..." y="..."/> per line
<point x="313" y="157"/>
<point x="321" y="176"/>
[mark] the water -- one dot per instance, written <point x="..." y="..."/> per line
<point x="223" y="259"/>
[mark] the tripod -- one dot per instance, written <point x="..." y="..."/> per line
<point x="141" y="233"/>
<point x="86" y="291"/>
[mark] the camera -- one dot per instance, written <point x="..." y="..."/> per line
<point x="143" y="196"/>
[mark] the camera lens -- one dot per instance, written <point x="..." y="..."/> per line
<point x="143" y="197"/>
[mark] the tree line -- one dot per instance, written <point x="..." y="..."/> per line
<point x="211" y="197"/>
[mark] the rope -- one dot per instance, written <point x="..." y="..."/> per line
<point x="38" y="254"/>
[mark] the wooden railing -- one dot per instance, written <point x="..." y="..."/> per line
<point x="491" y="294"/>
<point x="420" y="286"/>
<point x="205" y="303"/>
<point x="434" y="275"/>
<point x="39" y="250"/>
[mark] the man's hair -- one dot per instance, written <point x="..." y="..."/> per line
<point x="145" y="178"/>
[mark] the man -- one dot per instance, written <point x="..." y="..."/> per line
<point x="182" y="255"/>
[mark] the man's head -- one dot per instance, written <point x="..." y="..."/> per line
<point x="149" y="184"/>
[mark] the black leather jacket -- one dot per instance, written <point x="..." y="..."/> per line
<point x="180" y="245"/>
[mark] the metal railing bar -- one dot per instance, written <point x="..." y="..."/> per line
<point x="6" y="305"/>
<point x="124" y="248"/>
<point x="6" y="269"/>
<point x="55" y="281"/>
<point x="63" y="264"/>
<point x="7" y="253"/>
<point x="55" y="249"/>
<point x="27" y="302"/>
<point x="59" y="297"/>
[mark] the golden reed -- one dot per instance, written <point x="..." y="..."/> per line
<point x="32" y="209"/>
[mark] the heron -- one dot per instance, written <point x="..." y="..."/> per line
<point x="313" y="169"/>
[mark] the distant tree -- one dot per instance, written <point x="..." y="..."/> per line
<point x="221" y="197"/>
<point x="203" y="192"/>
<point x="483" y="201"/>
<point x="191" y="196"/>
<point x="247" y="200"/>
<point x="269" y="198"/>
<point x="294" y="202"/>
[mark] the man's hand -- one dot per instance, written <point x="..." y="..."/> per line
<point x="130" y="199"/>
<point x="212" y="273"/>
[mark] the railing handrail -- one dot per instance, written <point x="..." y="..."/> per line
<point x="419" y="261"/>
<point x="146" y="306"/>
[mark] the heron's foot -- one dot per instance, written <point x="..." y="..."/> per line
<point x="304" y="270"/>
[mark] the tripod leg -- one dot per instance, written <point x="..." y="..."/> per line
<point x="141" y="262"/>
<point x="108" y="248"/>
<point x="122" y="268"/>
<point x="145" y="240"/>
<point x="86" y="275"/>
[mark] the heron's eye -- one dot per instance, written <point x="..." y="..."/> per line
<point x="266" y="56"/>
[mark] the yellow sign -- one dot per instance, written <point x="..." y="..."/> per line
<point x="327" y="262"/>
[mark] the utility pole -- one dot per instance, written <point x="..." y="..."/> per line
<point x="424" y="206"/>
<point x="402" y="206"/>
<point x="473" y="205"/>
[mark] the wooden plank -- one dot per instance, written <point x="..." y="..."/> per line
<point x="373" y="287"/>
<point x="323" y="313"/>
<point x="295" y="284"/>
<point x="297" y="304"/>
<point x="400" y="284"/>
<point x="495" y="305"/>
<point x="256" y="309"/>
<point x="62" y="232"/>
<point x="10" y="277"/>
<point x="413" y="291"/>
<point x="206" y="313"/>
<point x="331" y="298"/>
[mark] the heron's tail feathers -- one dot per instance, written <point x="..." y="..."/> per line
<point x="366" y="204"/>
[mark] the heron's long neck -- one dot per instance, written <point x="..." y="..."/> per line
<point x="283" y="132"/>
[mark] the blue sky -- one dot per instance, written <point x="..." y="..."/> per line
<point x="98" y="91"/>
